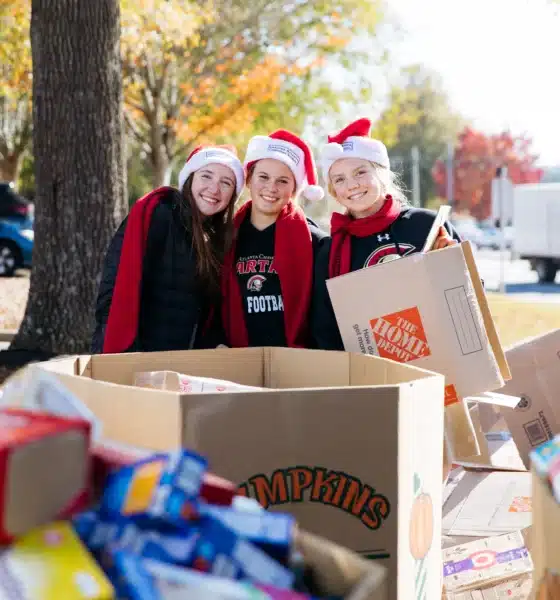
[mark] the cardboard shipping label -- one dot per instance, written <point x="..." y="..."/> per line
<point x="424" y="309"/>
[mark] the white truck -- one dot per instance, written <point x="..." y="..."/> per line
<point x="536" y="225"/>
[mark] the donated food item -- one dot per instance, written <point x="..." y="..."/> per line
<point x="141" y="579"/>
<point x="272" y="532"/>
<point x="144" y="537"/>
<point x="164" y="485"/>
<point x="50" y="563"/>
<point x="221" y="551"/>
<point x="109" y="456"/>
<point x="44" y="469"/>
<point x="188" y="384"/>
<point x="485" y="562"/>
<point x="546" y="462"/>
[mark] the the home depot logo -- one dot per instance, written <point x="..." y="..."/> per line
<point x="400" y="336"/>
<point x="317" y="484"/>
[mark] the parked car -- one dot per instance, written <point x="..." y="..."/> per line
<point x="16" y="244"/>
<point x="469" y="230"/>
<point x="492" y="236"/>
<point x="12" y="204"/>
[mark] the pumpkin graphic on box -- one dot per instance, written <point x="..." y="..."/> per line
<point x="421" y="534"/>
<point x="421" y="530"/>
<point x="549" y="588"/>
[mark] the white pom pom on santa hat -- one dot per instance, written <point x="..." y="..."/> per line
<point x="313" y="193"/>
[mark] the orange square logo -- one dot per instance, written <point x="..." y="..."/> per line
<point x="400" y="336"/>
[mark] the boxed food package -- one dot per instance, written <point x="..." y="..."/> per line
<point x="44" y="469"/>
<point x="307" y="445"/>
<point x="187" y="384"/>
<point x="486" y="562"/>
<point x="51" y="563"/>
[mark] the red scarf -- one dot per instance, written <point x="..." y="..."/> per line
<point x="124" y="313"/>
<point x="343" y="227"/>
<point x="293" y="261"/>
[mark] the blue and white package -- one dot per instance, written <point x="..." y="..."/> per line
<point x="222" y="552"/>
<point x="164" y="485"/>
<point x="272" y="532"/>
<point x="147" y="539"/>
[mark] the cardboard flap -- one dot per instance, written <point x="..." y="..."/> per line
<point x="495" y="399"/>
<point x="491" y="331"/>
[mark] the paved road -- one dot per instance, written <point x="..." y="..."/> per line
<point x="521" y="282"/>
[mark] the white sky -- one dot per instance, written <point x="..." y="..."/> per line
<point x="499" y="60"/>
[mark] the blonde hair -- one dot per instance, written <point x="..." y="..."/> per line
<point x="390" y="182"/>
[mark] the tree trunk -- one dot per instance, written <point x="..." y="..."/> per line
<point x="78" y="148"/>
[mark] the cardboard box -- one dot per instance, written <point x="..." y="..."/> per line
<point x="545" y="542"/>
<point x="488" y="503"/>
<point x="429" y="309"/>
<point x="349" y="444"/>
<point x="535" y="367"/>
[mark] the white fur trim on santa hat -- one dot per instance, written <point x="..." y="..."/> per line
<point x="261" y="147"/>
<point x="211" y="155"/>
<point x="354" y="147"/>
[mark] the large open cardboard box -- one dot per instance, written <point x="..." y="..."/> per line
<point x="350" y="444"/>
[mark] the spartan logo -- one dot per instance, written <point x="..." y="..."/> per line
<point x="255" y="283"/>
<point x="388" y="252"/>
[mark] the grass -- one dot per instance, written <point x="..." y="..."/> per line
<point x="517" y="321"/>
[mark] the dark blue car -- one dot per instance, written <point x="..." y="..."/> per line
<point x="16" y="244"/>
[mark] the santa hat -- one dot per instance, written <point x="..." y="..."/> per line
<point x="288" y="148"/>
<point x="353" y="142"/>
<point x="206" y="155"/>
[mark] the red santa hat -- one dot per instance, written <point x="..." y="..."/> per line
<point x="206" y="155"/>
<point x="353" y="142"/>
<point x="291" y="150"/>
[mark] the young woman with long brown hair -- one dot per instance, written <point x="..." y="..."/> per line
<point x="161" y="276"/>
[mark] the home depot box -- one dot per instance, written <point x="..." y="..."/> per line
<point x="350" y="444"/>
<point x="429" y="309"/>
<point x="535" y="368"/>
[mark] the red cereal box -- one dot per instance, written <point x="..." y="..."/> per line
<point x="44" y="469"/>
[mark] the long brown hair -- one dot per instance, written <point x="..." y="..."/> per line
<point x="212" y="237"/>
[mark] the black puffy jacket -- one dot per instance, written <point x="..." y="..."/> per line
<point x="173" y="309"/>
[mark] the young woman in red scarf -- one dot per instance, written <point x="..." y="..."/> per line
<point x="377" y="226"/>
<point x="162" y="272"/>
<point x="268" y="273"/>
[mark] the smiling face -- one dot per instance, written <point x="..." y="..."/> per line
<point x="272" y="186"/>
<point x="213" y="187"/>
<point x="357" y="186"/>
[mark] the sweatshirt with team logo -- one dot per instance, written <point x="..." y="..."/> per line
<point x="405" y="236"/>
<point x="259" y="282"/>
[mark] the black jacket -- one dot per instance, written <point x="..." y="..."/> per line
<point x="173" y="308"/>
<point x="404" y="237"/>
